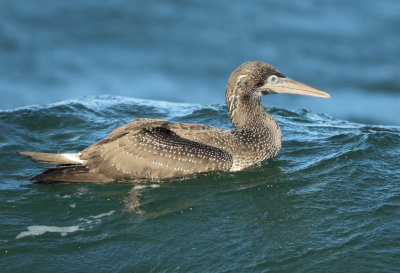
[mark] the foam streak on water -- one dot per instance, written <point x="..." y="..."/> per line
<point x="39" y="230"/>
<point x="330" y="202"/>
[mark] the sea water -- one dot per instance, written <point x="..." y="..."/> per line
<point x="329" y="202"/>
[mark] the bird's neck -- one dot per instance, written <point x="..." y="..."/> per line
<point x="250" y="114"/>
<point x="257" y="135"/>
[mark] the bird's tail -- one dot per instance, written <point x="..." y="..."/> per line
<point x="67" y="168"/>
<point x="69" y="174"/>
<point x="50" y="158"/>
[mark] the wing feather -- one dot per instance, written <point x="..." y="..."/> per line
<point x="148" y="149"/>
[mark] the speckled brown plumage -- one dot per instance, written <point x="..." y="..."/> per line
<point x="155" y="149"/>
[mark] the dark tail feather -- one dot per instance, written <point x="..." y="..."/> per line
<point x="69" y="174"/>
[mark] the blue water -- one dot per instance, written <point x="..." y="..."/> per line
<point x="183" y="51"/>
<point x="328" y="203"/>
<point x="72" y="71"/>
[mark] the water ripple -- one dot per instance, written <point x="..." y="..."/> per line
<point x="332" y="191"/>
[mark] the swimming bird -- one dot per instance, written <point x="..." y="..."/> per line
<point x="155" y="149"/>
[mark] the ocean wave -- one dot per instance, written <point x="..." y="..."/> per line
<point x="310" y="140"/>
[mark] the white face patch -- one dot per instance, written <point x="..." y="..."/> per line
<point x="241" y="79"/>
<point x="233" y="97"/>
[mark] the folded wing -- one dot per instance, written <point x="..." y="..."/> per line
<point x="149" y="150"/>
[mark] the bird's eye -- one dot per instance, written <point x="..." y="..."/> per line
<point x="273" y="79"/>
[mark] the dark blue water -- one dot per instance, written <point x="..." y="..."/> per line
<point x="72" y="71"/>
<point x="330" y="202"/>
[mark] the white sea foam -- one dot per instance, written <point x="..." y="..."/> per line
<point x="76" y="138"/>
<point x="103" y="214"/>
<point x="83" y="224"/>
<point x="39" y="230"/>
<point x="99" y="102"/>
<point x="140" y="187"/>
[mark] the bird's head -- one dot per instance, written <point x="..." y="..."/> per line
<point x="250" y="81"/>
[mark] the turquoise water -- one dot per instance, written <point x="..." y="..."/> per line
<point x="330" y="202"/>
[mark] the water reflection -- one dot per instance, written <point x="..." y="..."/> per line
<point x="155" y="200"/>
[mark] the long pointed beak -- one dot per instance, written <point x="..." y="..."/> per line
<point x="289" y="86"/>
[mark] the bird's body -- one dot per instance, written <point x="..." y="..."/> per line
<point x="155" y="149"/>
